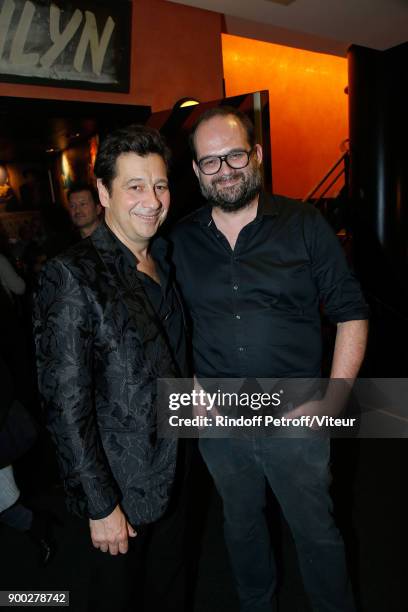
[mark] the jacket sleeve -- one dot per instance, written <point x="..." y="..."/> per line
<point x="63" y="338"/>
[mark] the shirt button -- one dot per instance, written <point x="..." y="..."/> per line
<point x="241" y="349"/>
<point x="235" y="287"/>
<point x="237" y="317"/>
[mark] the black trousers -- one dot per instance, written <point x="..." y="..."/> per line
<point x="152" y="576"/>
<point x="102" y="581"/>
<point x="167" y="563"/>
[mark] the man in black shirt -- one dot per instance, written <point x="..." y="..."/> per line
<point x="253" y="269"/>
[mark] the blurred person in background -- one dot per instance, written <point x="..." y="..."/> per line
<point x="84" y="208"/>
<point x="12" y="283"/>
<point x="37" y="524"/>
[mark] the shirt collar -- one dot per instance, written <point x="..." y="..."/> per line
<point x="158" y="248"/>
<point x="268" y="205"/>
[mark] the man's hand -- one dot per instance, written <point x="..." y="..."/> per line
<point x="351" y="341"/>
<point x="331" y="405"/>
<point x="201" y="409"/>
<point x="111" y="533"/>
<point x="311" y="408"/>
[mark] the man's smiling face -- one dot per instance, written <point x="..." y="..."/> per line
<point x="139" y="198"/>
<point x="230" y="189"/>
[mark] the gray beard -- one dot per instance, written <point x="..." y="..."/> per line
<point x="236" y="197"/>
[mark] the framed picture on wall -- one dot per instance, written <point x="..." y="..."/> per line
<point x="66" y="43"/>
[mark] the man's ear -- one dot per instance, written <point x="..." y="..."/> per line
<point x="259" y="153"/>
<point x="195" y="168"/>
<point x="103" y="193"/>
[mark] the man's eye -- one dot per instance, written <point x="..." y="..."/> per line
<point x="161" y="187"/>
<point x="208" y="163"/>
<point x="236" y="156"/>
<point x="136" y="187"/>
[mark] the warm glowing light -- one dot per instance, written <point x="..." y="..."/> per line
<point x="93" y="151"/>
<point x="66" y="168"/>
<point x="189" y="103"/>
<point x="3" y="175"/>
<point x="184" y="102"/>
<point x="66" y="175"/>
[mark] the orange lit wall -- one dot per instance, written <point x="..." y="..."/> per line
<point x="308" y="107"/>
<point x="176" y="52"/>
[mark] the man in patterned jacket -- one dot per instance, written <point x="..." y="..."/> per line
<point x="107" y="325"/>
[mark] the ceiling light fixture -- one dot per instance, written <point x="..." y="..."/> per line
<point x="184" y="102"/>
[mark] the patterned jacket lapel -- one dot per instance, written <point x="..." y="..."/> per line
<point x="123" y="276"/>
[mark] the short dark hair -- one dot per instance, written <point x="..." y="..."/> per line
<point x="223" y="111"/>
<point x="77" y="187"/>
<point x="139" y="139"/>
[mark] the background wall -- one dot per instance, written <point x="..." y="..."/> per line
<point x="176" y="52"/>
<point x="308" y="106"/>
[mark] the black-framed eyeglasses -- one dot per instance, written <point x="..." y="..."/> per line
<point x="235" y="160"/>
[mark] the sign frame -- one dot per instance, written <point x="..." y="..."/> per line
<point x="119" y="48"/>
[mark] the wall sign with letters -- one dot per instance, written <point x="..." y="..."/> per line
<point x="74" y="43"/>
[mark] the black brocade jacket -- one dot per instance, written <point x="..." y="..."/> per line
<point x="100" y="349"/>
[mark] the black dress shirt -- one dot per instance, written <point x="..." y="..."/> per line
<point x="163" y="299"/>
<point x="255" y="309"/>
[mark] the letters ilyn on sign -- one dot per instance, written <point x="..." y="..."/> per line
<point x="44" y="40"/>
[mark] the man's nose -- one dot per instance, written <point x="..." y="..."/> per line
<point x="225" y="168"/>
<point x="152" y="199"/>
